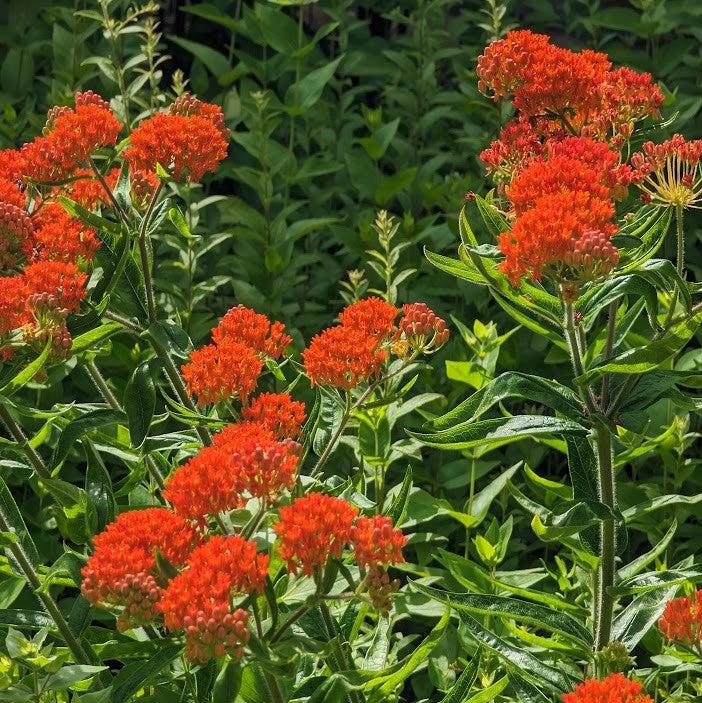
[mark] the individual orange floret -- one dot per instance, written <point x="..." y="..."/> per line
<point x="122" y="569"/>
<point x="545" y="235"/>
<point x="278" y="412"/>
<point x="314" y="529"/>
<point x="682" y="620"/>
<point x="198" y="601"/>
<point x="12" y="193"/>
<point x="615" y="688"/>
<point x="61" y="280"/>
<point x="342" y="357"/>
<point x="186" y="147"/>
<point x="245" y="326"/>
<point x="518" y="143"/>
<point x="16" y="241"/>
<point x="419" y="331"/>
<point x="376" y="542"/>
<point x="60" y="237"/>
<point x="372" y="316"/>
<point x="218" y="372"/>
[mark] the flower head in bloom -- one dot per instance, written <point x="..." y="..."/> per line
<point x="616" y="688"/>
<point x="12" y="193"/>
<point x="11" y="164"/>
<point x="12" y="303"/>
<point x="70" y="138"/>
<point x="682" y="620"/>
<point x="376" y="542"/>
<point x="198" y="600"/>
<point x="277" y="412"/>
<point x="60" y="280"/>
<point x="342" y="357"/>
<point x="188" y="105"/>
<point x="245" y="326"/>
<point x="122" y="569"/>
<point x="15" y="236"/>
<point x="88" y="191"/>
<point x="312" y="530"/>
<point x="60" y="237"/>
<point x="187" y="147"/>
<point x="419" y="331"/>
<point x="373" y="317"/>
<point x="670" y="173"/>
<point x="517" y="144"/>
<point x="216" y="372"/>
<point x="545" y="238"/>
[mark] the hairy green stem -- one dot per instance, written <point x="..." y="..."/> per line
<point x="604" y="603"/>
<point x="25" y="564"/>
<point x="144" y="253"/>
<point x="18" y="435"/>
<point x="575" y="352"/>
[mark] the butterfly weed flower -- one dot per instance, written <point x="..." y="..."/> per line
<point x="198" y="601"/>
<point x="277" y="412"/>
<point x="681" y="621"/>
<point x="218" y="372"/>
<point x="373" y="317"/>
<point x="122" y="569"/>
<point x="246" y="326"/>
<point x="60" y="237"/>
<point x="87" y="190"/>
<point x="313" y="530"/>
<point x="188" y="141"/>
<point x="16" y="236"/>
<point x="615" y="688"/>
<point x="669" y="173"/>
<point x="420" y="331"/>
<point x="376" y="542"/>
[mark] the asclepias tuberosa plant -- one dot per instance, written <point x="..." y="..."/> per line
<point x="212" y="544"/>
<point x="569" y="244"/>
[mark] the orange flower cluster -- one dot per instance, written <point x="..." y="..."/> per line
<point x="277" y="412"/>
<point x="682" y="620"/>
<point x="557" y="93"/>
<point x="245" y="460"/>
<point x="198" y="600"/>
<point x="670" y="173"/>
<point x="87" y="190"/>
<point x="312" y="530"/>
<point x="188" y="141"/>
<point x="231" y="365"/>
<point x="376" y="542"/>
<point x="350" y="353"/>
<point x="16" y="231"/>
<point x="70" y="138"/>
<point x="615" y="688"/>
<point x="578" y="89"/>
<point x="59" y="237"/>
<point x="122" y="569"/>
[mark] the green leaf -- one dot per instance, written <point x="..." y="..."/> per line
<point x="12" y="516"/>
<point x="134" y="677"/>
<point x="171" y="337"/>
<point x="582" y="465"/>
<point x="398" y="509"/>
<point x="139" y="403"/>
<point x="554" y="678"/>
<point x="513" y="385"/>
<point x="653" y="504"/>
<point x="455" y="267"/>
<point x="214" y="62"/>
<point x="499" y="431"/>
<point x="303" y="95"/>
<point x="98" y="490"/>
<point x="640" y="615"/>
<point x="69" y="675"/>
<point x="27" y="373"/>
<point x="25" y="619"/>
<point x="524" y="688"/>
<point x="178" y="221"/>
<point x="641" y="562"/>
<point x="79" y="427"/>
<point x="228" y="682"/>
<point x="653" y="581"/>
<point x="95" y="337"/>
<point x="458" y="693"/>
<point x="489" y="694"/>
<point x="534" y="614"/>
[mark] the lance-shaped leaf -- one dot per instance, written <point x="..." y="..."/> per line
<point x="540" y="616"/>
<point x="508" y="386"/>
<point x="499" y="431"/>
<point x="654" y="580"/>
<point x="527" y="691"/>
<point x="640" y="563"/>
<point x="640" y="615"/>
<point x="460" y="690"/>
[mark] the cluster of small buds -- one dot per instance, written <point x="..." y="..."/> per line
<point x="52" y="116"/>
<point x="211" y="635"/>
<point x="593" y="256"/>
<point x="189" y="106"/>
<point x="381" y="588"/>
<point x="139" y="593"/>
<point x="15" y="235"/>
<point x="90" y="97"/>
<point x="269" y="468"/>
<point x="420" y="331"/>
<point x="48" y="323"/>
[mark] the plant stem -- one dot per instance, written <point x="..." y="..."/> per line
<point x="128" y="324"/>
<point x="576" y="353"/>
<point x="680" y="238"/>
<point x="604" y="603"/>
<point x="292" y="619"/>
<point x="108" y="191"/>
<point x="334" y="438"/>
<point x="18" y="435"/>
<point x="609" y="346"/>
<point x="99" y="380"/>
<point x="144" y="253"/>
<point x="25" y="564"/>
